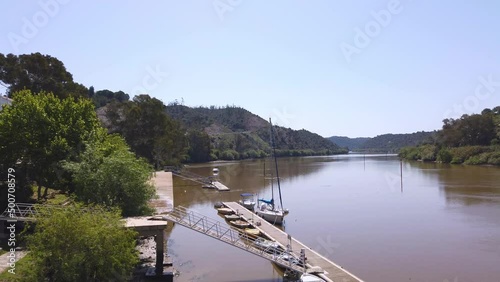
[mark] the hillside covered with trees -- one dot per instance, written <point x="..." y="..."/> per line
<point x="236" y="133"/>
<point x="470" y="139"/>
<point x="384" y="143"/>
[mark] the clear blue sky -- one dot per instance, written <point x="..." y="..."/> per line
<point x="280" y="59"/>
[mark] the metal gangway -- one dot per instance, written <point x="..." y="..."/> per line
<point x="19" y="211"/>
<point x="204" y="180"/>
<point x="28" y="212"/>
<point x="220" y="231"/>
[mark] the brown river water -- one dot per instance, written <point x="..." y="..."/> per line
<point x="443" y="224"/>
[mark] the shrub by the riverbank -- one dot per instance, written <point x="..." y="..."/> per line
<point x="469" y="155"/>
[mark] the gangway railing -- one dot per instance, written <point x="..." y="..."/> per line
<point x="220" y="231"/>
<point x="19" y="210"/>
<point x="205" y="180"/>
<point x="25" y="211"/>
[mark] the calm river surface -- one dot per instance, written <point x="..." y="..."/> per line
<point x="444" y="225"/>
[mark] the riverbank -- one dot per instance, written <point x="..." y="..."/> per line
<point x="468" y="155"/>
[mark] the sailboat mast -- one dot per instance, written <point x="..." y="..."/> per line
<point x="272" y="175"/>
<point x="276" y="162"/>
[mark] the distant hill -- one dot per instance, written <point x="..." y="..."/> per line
<point x="351" y="143"/>
<point x="384" y="143"/>
<point x="234" y="130"/>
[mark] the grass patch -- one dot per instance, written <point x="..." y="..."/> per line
<point x="57" y="198"/>
<point x="22" y="266"/>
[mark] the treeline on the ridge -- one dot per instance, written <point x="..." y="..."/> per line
<point x="391" y="143"/>
<point x="470" y="139"/>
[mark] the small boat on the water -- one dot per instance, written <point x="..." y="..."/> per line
<point x="224" y="210"/>
<point x="240" y="223"/>
<point x="252" y="232"/>
<point x="231" y="217"/>
<point x="248" y="201"/>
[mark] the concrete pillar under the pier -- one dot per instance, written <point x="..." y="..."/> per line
<point x="148" y="228"/>
<point x="160" y="241"/>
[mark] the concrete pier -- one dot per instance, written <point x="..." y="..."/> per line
<point x="150" y="226"/>
<point x="163" y="183"/>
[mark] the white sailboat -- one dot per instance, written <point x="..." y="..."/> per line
<point x="266" y="208"/>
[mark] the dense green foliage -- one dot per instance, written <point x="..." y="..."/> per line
<point x="471" y="130"/>
<point x="109" y="174"/>
<point x="59" y="143"/>
<point x="199" y="146"/>
<point x="38" y="73"/>
<point x="72" y="244"/>
<point x="471" y="139"/>
<point x="384" y="143"/>
<point x="148" y="130"/>
<point x="235" y="133"/>
<point x="39" y="131"/>
<point x="103" y="97"/>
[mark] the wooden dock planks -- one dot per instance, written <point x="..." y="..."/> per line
<point x="331" y="271"/>
<point x="220" y="186"/>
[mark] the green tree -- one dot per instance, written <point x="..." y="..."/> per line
<point x="104" y="97"/>
<point x="38" y="132"/>
<point x="469" y="130"/>
<point x="38" y="73"/>
<point x="444" y="156"/>
<point x="477" y="129"/>
<point x="91" y="92"/>
<point x="75" y="244"/>
<point x="199" y="146"/>
<point x="148" y="130"/>
<point x="109" y="174"/>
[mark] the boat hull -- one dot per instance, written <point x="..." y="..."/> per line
<point x="225" y="211"/>
<point x="240" y="223"/>
<point x="252" y="232"/>
<point x="275" y="217"/>
<point x="231" y="217"/>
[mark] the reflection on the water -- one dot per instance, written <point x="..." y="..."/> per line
<point x="466" y="185"/>
<point x="244" y="176"/>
